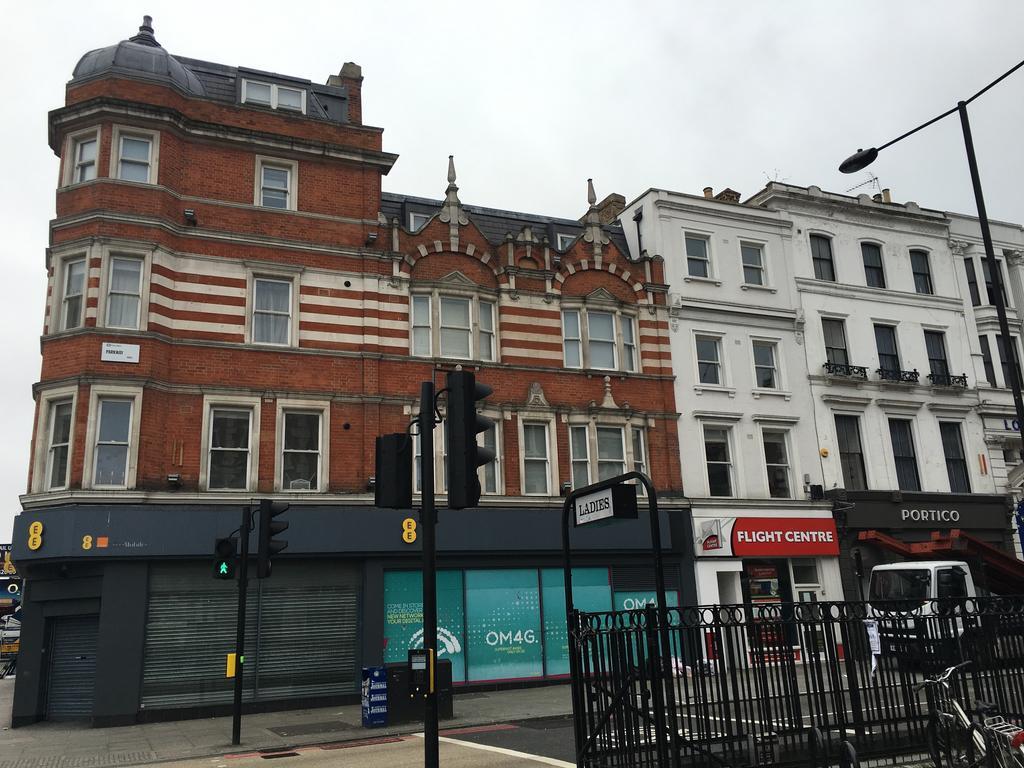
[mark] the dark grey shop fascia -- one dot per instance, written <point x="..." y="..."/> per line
<point x="934" y="511"/>
<point x="87" y="531"/>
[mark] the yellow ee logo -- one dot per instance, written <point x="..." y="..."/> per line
<point x="409" y="530"/>
<point x="87" y="542"/>
<point x="35" y="536"/>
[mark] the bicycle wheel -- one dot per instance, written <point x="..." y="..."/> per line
<point x="951" y="745"/>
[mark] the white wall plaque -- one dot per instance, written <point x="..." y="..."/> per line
<point x="120" y="353"/>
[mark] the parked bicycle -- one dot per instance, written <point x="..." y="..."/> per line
<point x="956" y="740"/>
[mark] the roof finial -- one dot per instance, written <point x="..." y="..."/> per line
<point x="591" y="194"/>
<point x="145" y="36"/>
<point x="451" y="194"/>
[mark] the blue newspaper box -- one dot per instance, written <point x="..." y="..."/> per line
<point x="375" y="697"/>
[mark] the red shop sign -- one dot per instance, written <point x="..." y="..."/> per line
<point x="784" y="537"/>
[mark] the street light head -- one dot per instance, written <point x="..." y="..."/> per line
<point x="862" y="158"/>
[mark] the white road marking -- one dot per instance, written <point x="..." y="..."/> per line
<point x="503" y="751"/>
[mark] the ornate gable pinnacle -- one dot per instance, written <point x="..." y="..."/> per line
<point x="608" y="401"/>
<point x="592" y="221"/>
<point x="451" y="212"/>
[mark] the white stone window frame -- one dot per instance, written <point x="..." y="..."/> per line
<point x="121" y="131"/>
<point x="859" y="412"/>
<point x="831" y="237"/>
<point x="563" y="240"/>
<point x="725" y="383"/>
<point x="583" y="307"/>
<point x="592" y="424"/>
<point x="895" y="325"/>
<point x="108" y="253"/>
<point x="292" y="166"/>
<point x="907" y="413"/>
<point x="781" y="387"/>
<point x="41" y="459"/>
<point x="929" y="253"/>
<point x="476" y="297"/>
<point x="762" y="245"/>
<point x="783" y="426"/>
<point x="323" y="409"/>
<point x="728" y="425"/>
<point x="861" y="242"/>
<point x="230" y="403"/>
<point x="707" y="237"/>
<point x="548" y="421"/>
<point x="274" y="95"/>
<point x="71" y="145"/>
<point x="97" y="393"/>
<point x="278" y="273"/>
<point x="418" y="220"/>
<point x="440" y="457"/>
<point x="60" y="270"/>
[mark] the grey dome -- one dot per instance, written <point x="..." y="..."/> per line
<point x="140" y="55"/>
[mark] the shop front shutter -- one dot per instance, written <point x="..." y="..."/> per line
<point x="190" y="629"/>
<point x="641" y="577"/>
<point x="72" y="674"/>
<point x="301" y="640"/>
<point x="307" y="640"/>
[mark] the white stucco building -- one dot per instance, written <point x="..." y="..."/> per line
<point x="995" y="403"/>
<point x="822" y="340"/>
<point x="747" y="432"/>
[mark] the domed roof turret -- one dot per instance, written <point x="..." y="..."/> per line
<point x="140" y="56"/>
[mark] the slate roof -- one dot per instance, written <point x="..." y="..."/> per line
<point x="495" y="223"/>
<point x="142" y="56"/>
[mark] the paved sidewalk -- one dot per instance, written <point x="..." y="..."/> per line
<point x="65" y="745"/>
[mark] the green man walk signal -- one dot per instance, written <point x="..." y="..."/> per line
<point x="224" y="559"/>
<point x="462" y="425"/>
<point x="269" y="528"/>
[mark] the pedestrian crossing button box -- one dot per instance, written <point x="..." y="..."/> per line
<point x="421" y="672"/>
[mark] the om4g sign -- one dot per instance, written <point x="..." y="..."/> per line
<point x="618" y="502"/>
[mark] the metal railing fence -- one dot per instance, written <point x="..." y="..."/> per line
<point x="782" y="684"/>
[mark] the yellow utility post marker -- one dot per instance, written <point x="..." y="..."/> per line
<point x="230" y="671"/>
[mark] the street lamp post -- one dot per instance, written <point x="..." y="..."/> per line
<point x="864" y="157"/>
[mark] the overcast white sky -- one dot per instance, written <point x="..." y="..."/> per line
<point x="534" y="97"/>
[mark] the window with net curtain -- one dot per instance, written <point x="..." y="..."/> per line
<point x="301" y="448"/>
<point x="272" y="305"/>
<point x="112" y="441"/>
<point x="229" y="449"/>
<point x="611" y="456"/>
<point x="60" y="441"/>
<point x="123" y="294"/>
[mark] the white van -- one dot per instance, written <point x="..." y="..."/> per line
<point x="911" y="586"/>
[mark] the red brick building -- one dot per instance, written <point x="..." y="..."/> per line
<point x="234" y="308"/>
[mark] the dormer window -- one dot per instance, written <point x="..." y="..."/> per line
<point x="563" y="240"/>
<point x="274" y="96"/>
<point x="417" y="221"/>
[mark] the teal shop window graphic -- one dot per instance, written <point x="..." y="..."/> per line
<point x="403" y="617"/>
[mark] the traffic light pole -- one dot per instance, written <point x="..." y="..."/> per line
<point x="243" y="588"/>
<point x="428" y="524"/>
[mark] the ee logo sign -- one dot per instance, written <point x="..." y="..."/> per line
<point x="409" y="530"/>
<point x="35" y="536"/>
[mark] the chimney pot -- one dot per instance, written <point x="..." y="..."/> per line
<point x="877" y="197"/>
<point x="708" y="192"/>
<point x="886" y="196"/>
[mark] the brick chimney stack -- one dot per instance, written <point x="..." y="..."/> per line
<point x="351" y="77"/>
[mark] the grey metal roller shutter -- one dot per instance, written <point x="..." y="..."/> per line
<point x="71" y="682"/>
<point x="190" y="629"/>
<point x="307" y="642"/>
<point x="301" y="634"/>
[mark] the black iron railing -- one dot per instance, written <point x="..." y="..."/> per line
<point x="847" y="371"/>
<point x="783" y="684"/>
<point x="948" y="380"/>
<point x="898" y="376"/>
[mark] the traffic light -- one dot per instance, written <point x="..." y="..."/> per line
<point x="268" y="546"/>
<point x="462" y="425"/>
<point x="392" y="487"/>
<point x="224" y="554"/>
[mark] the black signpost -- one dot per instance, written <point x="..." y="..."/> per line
<point x="613" y="499"/>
